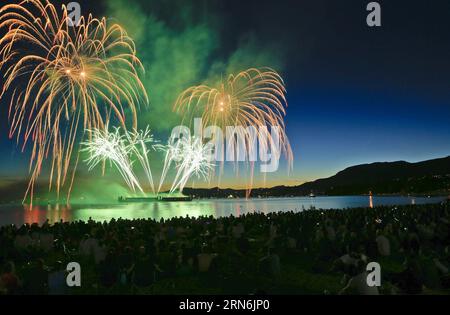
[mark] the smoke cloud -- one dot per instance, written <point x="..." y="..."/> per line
<point x="184" y="43"/>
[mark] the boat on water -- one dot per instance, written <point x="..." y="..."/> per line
<point x="174" y="198"/>
<point x="153" y="199"/>
<point x="311" y="195"/>
<point x="136" y="199"/>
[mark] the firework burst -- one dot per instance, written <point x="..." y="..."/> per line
<point x="139" y="145"/>
<point x="111" y="147"/>
<point x="121" y="149"/>
<point x="191" y="158"/>
<point x="62" y="79"/>
<point x="251" y="98"/>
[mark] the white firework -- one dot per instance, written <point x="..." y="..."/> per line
<point x="105" y="146"/>
<point x="191" y="158"/>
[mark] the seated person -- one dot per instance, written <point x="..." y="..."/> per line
<point x="144" y="269"/>
<point x="9" y="282"/>
<point x="358" y="282"/>
<point x="204" y="259"/>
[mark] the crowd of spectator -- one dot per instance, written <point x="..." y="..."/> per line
<point x="411" y="244"/>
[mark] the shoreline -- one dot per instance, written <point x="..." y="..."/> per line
<point x="115" y="202"/>
<point x="229" y="216"/>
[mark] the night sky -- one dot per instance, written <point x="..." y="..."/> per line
<point x="356" y="94"/>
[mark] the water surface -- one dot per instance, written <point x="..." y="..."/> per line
<point x="19" y="214"/>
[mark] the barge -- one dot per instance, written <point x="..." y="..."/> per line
<point x="154" y="199"/>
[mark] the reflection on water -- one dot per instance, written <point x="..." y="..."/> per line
<point x="53" y="213"/>
<point x="217" y="207"/>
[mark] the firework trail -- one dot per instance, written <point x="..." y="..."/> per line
<point x="138" y="146"/>
<point x="251" y="98"/>
<point x="191" y="157"/>
<point x="62" y="79"/>
<point x="113" y="147"/>
<point x="119" y="148"/>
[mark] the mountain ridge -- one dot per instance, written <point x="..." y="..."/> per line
<point x="398" y="177"/>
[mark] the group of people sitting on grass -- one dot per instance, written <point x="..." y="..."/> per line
<point x="410" y="243"/>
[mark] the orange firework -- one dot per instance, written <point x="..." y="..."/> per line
<point x="58" y="75"/>
<point x="255" y="97"/>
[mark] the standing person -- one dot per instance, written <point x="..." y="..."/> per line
<point x="383" y="244"/>
<point x="37" y="278"/>
<point x="57" y="280"/>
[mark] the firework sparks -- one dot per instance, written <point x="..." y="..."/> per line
<point x="105" y="146"/>
<point x="191" y="158"/>
<point x="119" y="148"/>
<point x="138" y="142"/>
<point x="65" y="76"/>
<point x="255" y="97"/>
